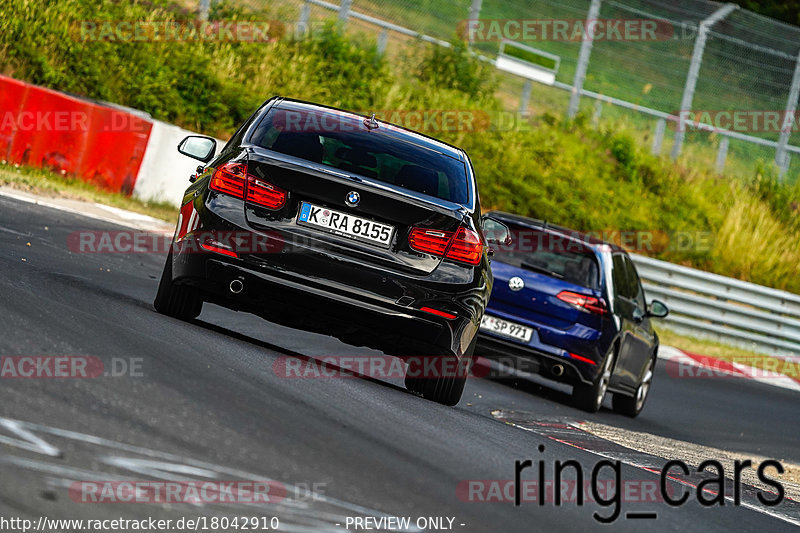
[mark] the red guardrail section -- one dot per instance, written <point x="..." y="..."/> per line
<point x="48" y="129"/>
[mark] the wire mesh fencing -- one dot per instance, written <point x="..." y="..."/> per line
<point x="704" y="67"/>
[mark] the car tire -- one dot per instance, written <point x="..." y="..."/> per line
<point x="589" y="398"/>
<point x="446" y="390"/>
<point x="632" y="405"/>
<point x="178" y="301"/>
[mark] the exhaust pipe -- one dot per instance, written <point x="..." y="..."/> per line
<point x="236" y="286"/>
<point x="557" y="370"/>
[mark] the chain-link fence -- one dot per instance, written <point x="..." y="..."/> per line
<point x="712" y="73"/>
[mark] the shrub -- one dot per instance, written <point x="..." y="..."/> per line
<point x="456" y="68"/>
<point x="565" y="172"/>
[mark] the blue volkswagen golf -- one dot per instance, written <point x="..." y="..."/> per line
<point x="572" y="308"/>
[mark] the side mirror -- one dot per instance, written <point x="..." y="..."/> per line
<point x="496" y="232"/>
<point x="657" y="309"/>
<point x="198" y="147"/>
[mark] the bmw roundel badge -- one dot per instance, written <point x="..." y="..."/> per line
<point x="352" y="198"/>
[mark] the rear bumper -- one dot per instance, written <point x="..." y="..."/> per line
<point x="536" y="361"/>
<point x="309" y="284"/>
<point x="367" y="314"/>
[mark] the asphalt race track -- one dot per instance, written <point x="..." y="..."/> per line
<point x="205" y="402"/>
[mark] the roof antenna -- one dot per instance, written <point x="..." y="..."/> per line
<point x="371" y="123"/>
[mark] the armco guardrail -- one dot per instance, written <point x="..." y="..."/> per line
<point x="763" y="319"/>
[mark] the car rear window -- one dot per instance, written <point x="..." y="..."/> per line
<point x="551" y="254"/>
<point x="344" y="142"/>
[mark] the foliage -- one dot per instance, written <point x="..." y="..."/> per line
<point x="456" y="68"/>
<point x="567" y="172"/>
<point x="785" y="10"/>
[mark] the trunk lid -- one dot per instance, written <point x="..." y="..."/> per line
<point x="317" y="185"/>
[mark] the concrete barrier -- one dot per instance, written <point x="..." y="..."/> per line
<point x="97" y="143"/>
<point x="164" y="174"/>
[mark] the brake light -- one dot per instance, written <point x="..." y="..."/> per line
<point x="588" y="304"/>
<point x="467" y="247"/>
<point x="463" y="245"/>
<point x="262" y="193"/>
<point x="430" y="241"/>
<point x="232" y="178"/>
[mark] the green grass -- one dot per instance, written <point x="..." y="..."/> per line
<point x="726" y="352"/>
<point x="54" y="185"/>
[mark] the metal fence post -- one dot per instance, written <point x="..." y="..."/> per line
<point x="658" y="136"/>
<point x="205" y="5"/>
<point x="474" y="14"/>
<point x="302" y="23"/>
<point x="526" y="95"/>
<point x="781" y="155"/>
<point x="598" y="111"/>
<point x="344" y="12"/>
<point x="694" y="71"/>
<point x="583" y="59"/>
<point x="383" y="38"/>
<point x="722" y="154"/>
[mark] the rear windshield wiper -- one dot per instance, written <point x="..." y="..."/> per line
<point x="541" y="269"/>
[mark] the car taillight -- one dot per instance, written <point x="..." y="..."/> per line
<point x="467" y="247"/>
<point x="263" y="193"/>
<point x="588" y="304"/>
<point x="232" y="178"/>
<point x="430" y="241"/>
<point x="463" y="245"/>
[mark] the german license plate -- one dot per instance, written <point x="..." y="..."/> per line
<point x="346" y="224"/>
<point x="506" y="328"/>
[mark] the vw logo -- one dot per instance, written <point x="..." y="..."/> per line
<point x="352" y="198"/>
<point x="516" y="283"/>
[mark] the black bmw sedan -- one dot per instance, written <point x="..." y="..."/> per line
<point x="336" y="223"/>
